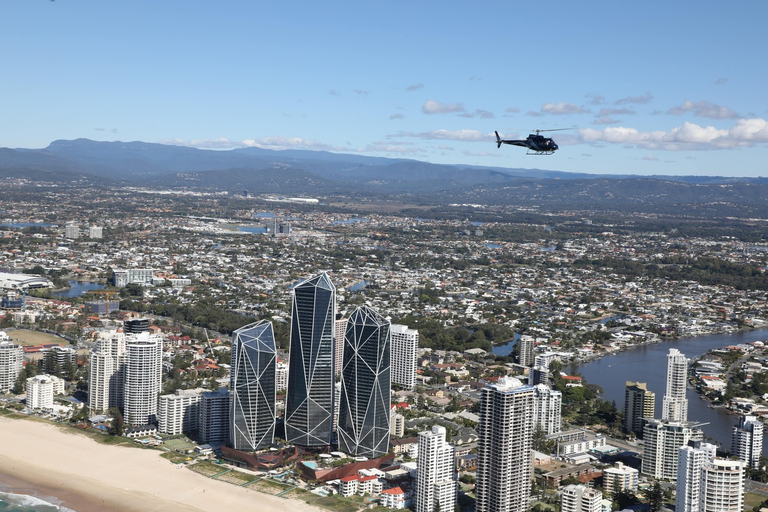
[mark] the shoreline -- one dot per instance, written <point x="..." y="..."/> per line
<point x="43" y="460"/>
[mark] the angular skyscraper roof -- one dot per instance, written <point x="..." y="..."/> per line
<point x="310" y="394"/>
<point x="365" y="385"/>
<point x="252" y="384"/>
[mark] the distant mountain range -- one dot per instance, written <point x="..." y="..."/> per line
<point x="320" y="173"/>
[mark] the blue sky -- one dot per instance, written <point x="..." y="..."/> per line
<point x="649" y="87"/>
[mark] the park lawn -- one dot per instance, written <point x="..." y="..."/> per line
<point x="751" y="500"/>
<point x="26" y="337"/>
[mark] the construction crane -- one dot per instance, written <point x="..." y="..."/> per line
<point x="107" y="294"/>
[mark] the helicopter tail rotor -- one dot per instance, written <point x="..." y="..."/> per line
<point x="498" y="140"/>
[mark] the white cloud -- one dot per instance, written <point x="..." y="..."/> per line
<point x="616" y="111"/>
<point x="562" y="109"/>
<point x="605" y="120"/>
<point x="458" y="135"/>
<point x="689" y="136"/>
<point x="704" y="109"/>
<point x="435" y="107"/>
<point x="650" y="158"/>
<point x="277" y="142"/>
<point x="483" y="114"/>
<point x="396" y="116"/>
<point x="635" y="100"/>
<point x="414" y="87"/>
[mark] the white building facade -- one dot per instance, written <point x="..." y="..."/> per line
<point x="436" y="476"/>
<point x="547" y="408"/>
<point x="179" y="412"/>
<point x="675" y="404"/>
<point x="404" y="353"/>
<point x="143" y="378"/>
<point x="747" y="440"/>
<point x="11" y="364"/>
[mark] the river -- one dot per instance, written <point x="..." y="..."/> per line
<point x="648" y="363"/>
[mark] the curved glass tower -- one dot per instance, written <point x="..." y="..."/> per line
<point x="309" y="399"/>
<point x="252" y="385"/>
<point x="365" y="385"/>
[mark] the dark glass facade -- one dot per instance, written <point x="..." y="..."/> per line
<point x="310" y="393"/>
<point x="365" y="385"/>
<point x="252" y="385"/>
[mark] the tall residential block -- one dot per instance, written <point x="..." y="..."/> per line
<point x="11" y="364"/>
<point x="143" y="378"/>
<point x="106" y="383"/>
<point x="178" y="413"/>
<point x="690" y="461"/>
<point x="504" y="459"/>
<point x="252" y="386"/>
<point x="311" y="375"/>
<point x="661" y="442"/>
<point x="675" y="403"/>
<point x="405" y="355"/>
<point x="747" y="441"/>
<point x="213" y="419"/>
<point x="639" y="403"/>
<point x="365" y="385"/>
<point x="580" y="498"/>
<point x="620" y="478"/>
<point x="547" y="409"/>
<point x="436" y="476"/>
<point x="722" y="486"/>
<point x="527" y="344"/>
<point x="40" y="392"/>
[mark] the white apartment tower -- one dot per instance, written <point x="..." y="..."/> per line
<point x="747" y="441"/>
<point x="106" y="381"/>
<point x="11" y="364"/>
<point x="40" y="392"/>
<point x="504" y="459"/>
<point x="675" y="404"/>
<point x="722" y="486"/>
<point x="404" y="355"/>
<point x="179" y="412"/>
<point x="580" y="498"/>
<point x="547" y="408"/>
<point x="639" y="403"/>
<point x="661" y="442"/>
<point x="689" y="465"/>
<point x="143" y="378"/>
<point x="436" y="477"/>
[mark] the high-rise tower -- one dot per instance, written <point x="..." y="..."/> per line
<point x="310" y="394"/>
<point x="143" y="378"/>
<point x="504" y="461"/>
<point x="747" y="441"/>
<point x="11" y="364"/>
<point x="365" y="385"/>
<point x="435" y="477"/>
<point x="675" y="404"/>
<point x="405" y="353"/>
<point x="639" y="403"/>
<point x="106" y="383"/>
<point x="252" y="387"/>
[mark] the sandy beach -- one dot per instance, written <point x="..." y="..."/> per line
<point x="91" y="477"/>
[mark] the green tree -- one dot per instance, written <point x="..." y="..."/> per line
<point x="655" y="497"/>
<point x="118" y="426"/>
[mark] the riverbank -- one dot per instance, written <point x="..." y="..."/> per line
<point x="42" y="459"/>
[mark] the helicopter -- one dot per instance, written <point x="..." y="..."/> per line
<point x="537" y="144"/>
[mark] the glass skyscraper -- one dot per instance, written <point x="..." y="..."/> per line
<point x="365" y="385"/>
<point x="252" y="385"/>
<point x="310" y="394"/>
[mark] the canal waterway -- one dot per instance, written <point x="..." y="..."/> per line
<point x="648" y="363"/>
<point x="76" y="288"/>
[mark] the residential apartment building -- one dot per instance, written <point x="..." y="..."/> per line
<point x="405" y="353"/>
<point x="675" y="403"/>
<point x="662" y="441"/>
<point x="213" y="422"/>
<point x="580" y="498"/>
<point x="689" y="465"/>
<point x="747" y="441"/>
<point x="106" y="383"/>
<point x="40" y="392"/>
<point x="11" y="364"/>
<point x="436" y="476"/>
<point x="547" y="408"/>
<point x="639" y="403"/>
<point x="620" y="478"/>
<point x="178" y="413"/>
<point x="143" y="378"/>
<point x="504" y="460"/>
<point x="722" y="486"/>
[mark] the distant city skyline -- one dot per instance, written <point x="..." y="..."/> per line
<point x="676" y="91"/>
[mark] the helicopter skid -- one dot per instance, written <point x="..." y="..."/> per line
<point x="532" y="152"/>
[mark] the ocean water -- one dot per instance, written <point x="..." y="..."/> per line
<point x="13" y="502"/>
